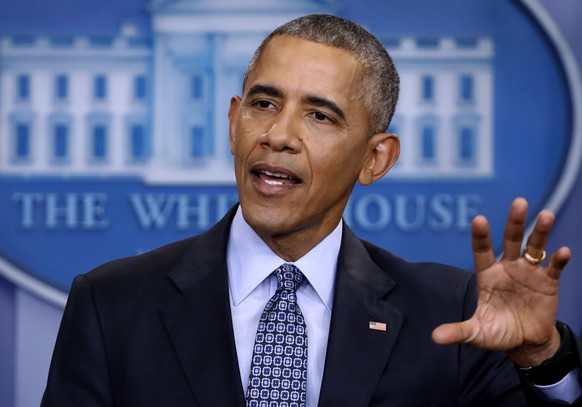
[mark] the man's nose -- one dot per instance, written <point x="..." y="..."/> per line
<point x="285" y="132"/>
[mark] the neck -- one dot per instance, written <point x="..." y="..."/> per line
<point x="294" y="245"/>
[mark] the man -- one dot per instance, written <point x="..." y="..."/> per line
<point x="187" y="324"/>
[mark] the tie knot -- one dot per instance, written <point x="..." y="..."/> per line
<point x="289" y="277"/>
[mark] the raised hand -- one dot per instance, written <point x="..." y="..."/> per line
<point x="518" y="295"/>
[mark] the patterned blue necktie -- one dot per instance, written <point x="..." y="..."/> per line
<point x="278" y="375"/>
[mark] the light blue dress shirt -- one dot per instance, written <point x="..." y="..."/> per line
<point x="250" y="264"/>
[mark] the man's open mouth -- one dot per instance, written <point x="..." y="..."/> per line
<point x="276" y="177"/>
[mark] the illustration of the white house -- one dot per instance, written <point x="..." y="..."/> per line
<point x="154" y="106"/>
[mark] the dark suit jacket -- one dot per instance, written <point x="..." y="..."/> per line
<point x="156" y="330"/>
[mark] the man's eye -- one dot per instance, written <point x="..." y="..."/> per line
<point x="321" y="117"/>
<point x="264" y="104"/>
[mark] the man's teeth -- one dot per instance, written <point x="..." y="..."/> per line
<point x="273" y="182"/>
<point x="276" y="174"/>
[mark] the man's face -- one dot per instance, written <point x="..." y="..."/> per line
<point x="299" y="139"/>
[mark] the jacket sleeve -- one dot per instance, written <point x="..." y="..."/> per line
<point x="79" y="372"/>
<point x="535" y="396"/>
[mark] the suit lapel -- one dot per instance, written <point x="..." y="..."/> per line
<point x="199" y="321"/>
<point x="356" y="354"/>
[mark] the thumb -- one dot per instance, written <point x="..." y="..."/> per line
<point x="448" y="334"/>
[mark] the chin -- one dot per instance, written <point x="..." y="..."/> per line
<point x="271" y="221"/>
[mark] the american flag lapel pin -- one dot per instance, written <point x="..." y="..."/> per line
<point x="377" y="326"/>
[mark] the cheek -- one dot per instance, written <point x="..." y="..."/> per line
<point x="241" y="140"/>
<point x="248" y="130"/>
<point x="336" y="168"/>
<point x="339" y="157"/>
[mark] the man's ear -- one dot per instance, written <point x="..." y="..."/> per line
<point x="232" y="119"/>
<point x="382" y="155"/>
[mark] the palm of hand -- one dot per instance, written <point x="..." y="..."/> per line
<point x="517" y="299"/>
<point x="516" y="307"/>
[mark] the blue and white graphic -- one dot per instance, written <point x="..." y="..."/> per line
<point x="115" y="141"/>
<point x="445" y="111"/>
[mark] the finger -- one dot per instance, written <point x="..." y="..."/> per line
<point x="481" y="241"/>
<point x="538" y="238"/>
<point x="558" y="261"/>
<point x="514" y="229"/>
<point x="448" y="334"/>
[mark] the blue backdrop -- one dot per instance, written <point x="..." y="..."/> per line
<point x="113" y="137"/>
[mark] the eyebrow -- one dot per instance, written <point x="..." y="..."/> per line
<point x="319" y="101"/>
<point x="264" y="89"/>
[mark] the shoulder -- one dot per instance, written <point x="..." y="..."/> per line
<point x="154" y="267"/>
<point x="139" y="282"/>
<point x="434" y="283"/>
<point x="401" y="268"/>
<point x="142" y="266"/>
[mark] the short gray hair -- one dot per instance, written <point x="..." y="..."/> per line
<point x="380" y="81"/>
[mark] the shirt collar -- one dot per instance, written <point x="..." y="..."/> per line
<point x="247" y="251"/>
